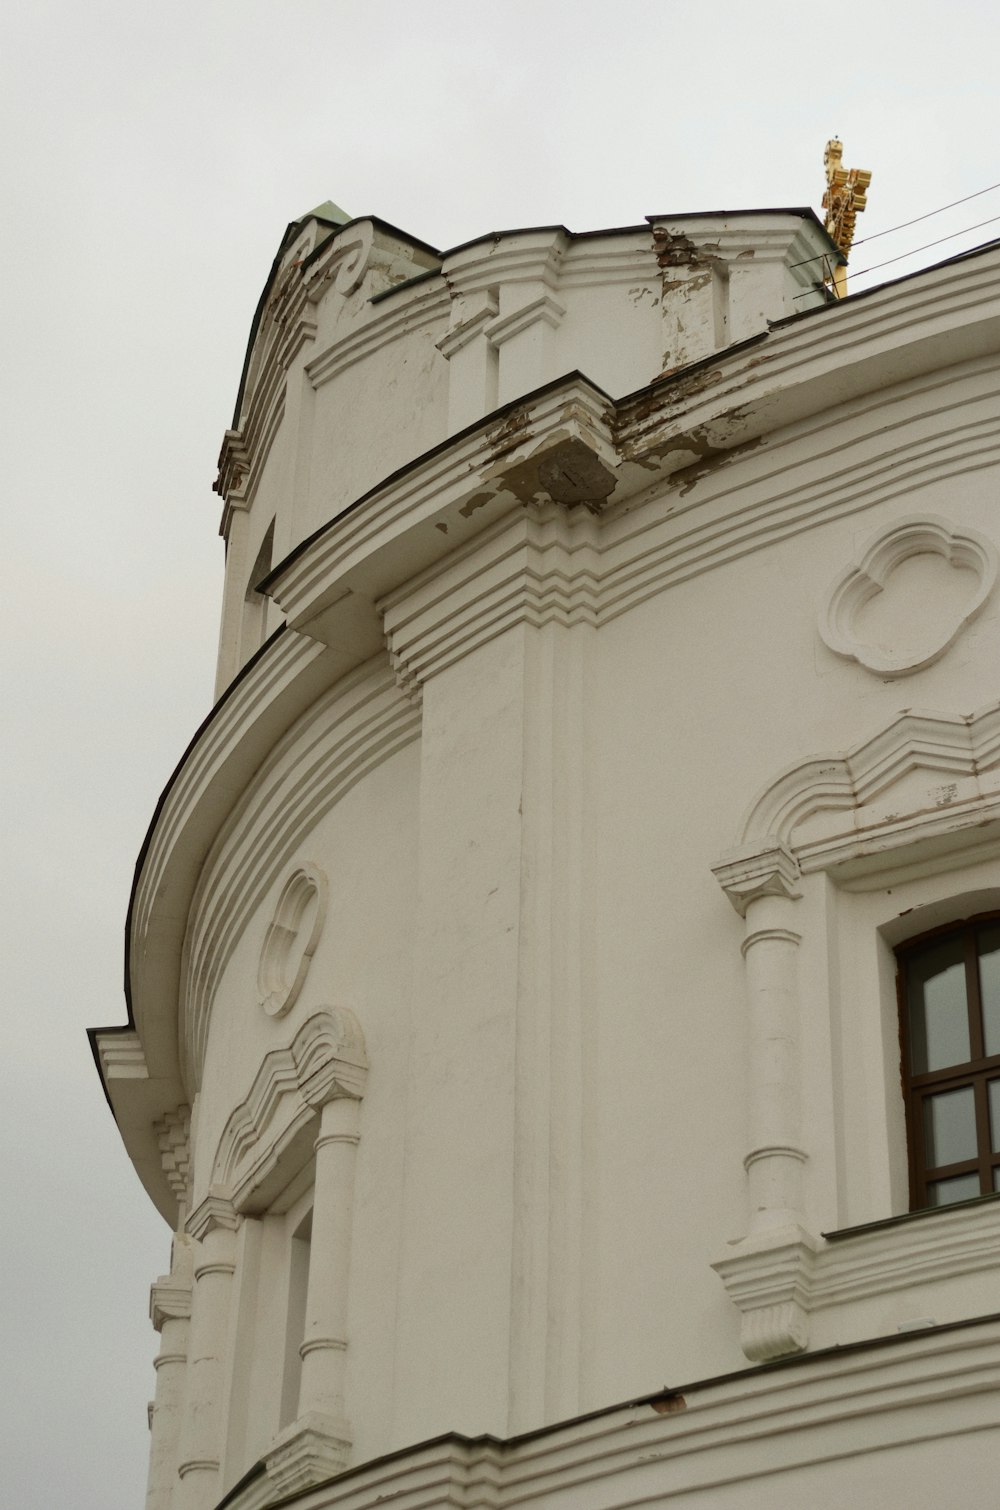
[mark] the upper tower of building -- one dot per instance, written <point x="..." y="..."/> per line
<point x="369" y="348"/>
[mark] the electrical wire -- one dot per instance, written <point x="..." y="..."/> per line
<point x="903" y="225"/>
<point x="926" y="246"/>
<point x="913" y="252"/>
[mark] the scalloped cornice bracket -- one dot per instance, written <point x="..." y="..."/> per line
<point x="768" y="1277"/>
<point x="769" y="870"/>
<point x="869" y="574"/>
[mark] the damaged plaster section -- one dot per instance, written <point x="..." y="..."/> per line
<point x="694" y="296"/>
<point x="564" y="470"/>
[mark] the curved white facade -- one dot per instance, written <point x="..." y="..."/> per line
<point x="514" y="1027"/>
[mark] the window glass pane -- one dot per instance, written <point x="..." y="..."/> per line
<point x="994" y="1089"/>
<point x="939" y="1019"/>
<point x="989" y="985"/>
<point x="950" y="1127"/>
<point x="961" y="1187"/>
<point x="996" y="1177"/>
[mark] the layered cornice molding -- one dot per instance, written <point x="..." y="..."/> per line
<point x="780" y="1279"/>
<point x="679" y="1444"/>
<point x="686" y="429"/>
<point x="344" y="734"/>
<point x="270" y="1135"/>
<point x="925" y="785"/>
<point x="535" y="566"/>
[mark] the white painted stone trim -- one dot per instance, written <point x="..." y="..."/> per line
<point x="868" y="573"/>
<point x="746" y="1431"/>
<point x="288" y="948"/>
<point x="270" y="1134"/>
<point x="849" y="794"/>
<point x="348" y="731"/>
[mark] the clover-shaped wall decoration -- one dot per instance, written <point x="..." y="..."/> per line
<point x="934" y="600"/>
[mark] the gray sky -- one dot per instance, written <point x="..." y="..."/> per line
<point x="152" y="158"/>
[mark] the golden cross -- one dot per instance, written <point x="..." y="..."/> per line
<point x="846" y="196"/>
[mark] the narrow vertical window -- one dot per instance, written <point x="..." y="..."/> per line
<point x="949" y="992"/>
<point x="254" y="626"/>
<point x="298" y="1284"/>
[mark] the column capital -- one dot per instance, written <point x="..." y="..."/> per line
<point x="214" y="1212"/>
<point x="169" y="1300"/>
<point x="770" y="870"/>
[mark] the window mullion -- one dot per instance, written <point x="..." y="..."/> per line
<point x="983" y="1136"/>
<point x="976" y="1043"/>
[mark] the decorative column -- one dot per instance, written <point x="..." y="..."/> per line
<point x="768" y="1275"/>
<point x="214" y="1224"/>
<point x="317" y="1443"/>
<point x="169" y="1311"/>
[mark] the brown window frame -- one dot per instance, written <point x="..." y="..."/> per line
<point x="976" y="1071"/>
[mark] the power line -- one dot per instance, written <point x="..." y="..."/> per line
<point x="903" y="255"/>
<point x="902" y="227"/>
<point x="906" y="223"/>
<point x="927" y="244"/>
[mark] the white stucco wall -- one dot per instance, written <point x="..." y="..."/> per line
<point x="516" y="733"/>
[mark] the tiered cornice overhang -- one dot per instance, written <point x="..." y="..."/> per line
<point x="694" y="470"/>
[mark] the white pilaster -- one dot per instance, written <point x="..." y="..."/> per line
<point x="214" y="1224"/>
<point x="170" y="1313"/>
<point x="768" y="1271"/>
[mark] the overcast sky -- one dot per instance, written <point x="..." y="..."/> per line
<point x="152" y="156"/>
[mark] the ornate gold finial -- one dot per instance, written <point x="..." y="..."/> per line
<point x="846" y="196"/>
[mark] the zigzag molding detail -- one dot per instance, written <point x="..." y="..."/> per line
<point x="536" y="566"/>
<point x="346" y="734"/>
<point x="815" y="792"/>
<point x="326" y="1058"/>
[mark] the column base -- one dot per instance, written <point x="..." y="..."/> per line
<point x="769" y="1278"/>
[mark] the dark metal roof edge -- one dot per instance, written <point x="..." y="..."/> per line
<point x="492" y="418"/>
<point x="396" y="288"/>
<point x="94" y="1033"/>
<point x="886" y="1223"/>
<point x="670" y="1392"/>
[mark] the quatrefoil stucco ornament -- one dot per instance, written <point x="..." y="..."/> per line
<point x="291" y="939"/>
<point x="952" y="574"/>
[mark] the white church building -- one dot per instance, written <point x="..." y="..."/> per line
<point x="564" y="968"/>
